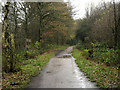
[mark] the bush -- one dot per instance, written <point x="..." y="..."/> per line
<point x="100" y="53"/>
<point x="105" y="55"/>
<point x="37" y="45"/>
<point x="80" y="46"/>
<point x="109" y="57"/>
<point x="85" y="53"/>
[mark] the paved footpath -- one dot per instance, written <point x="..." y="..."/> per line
<point x="61" y="72"/>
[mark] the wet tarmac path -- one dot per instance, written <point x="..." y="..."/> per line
<point x="61" y="72"/>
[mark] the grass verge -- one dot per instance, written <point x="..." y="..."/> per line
<point x="104" y="76"/>
<point x="29" y="68"/>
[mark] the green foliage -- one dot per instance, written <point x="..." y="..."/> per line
<point x="19" y="56"/>
<point x="44" y="24"/>
<point x="100" y="53"/>
<point x="37" y="45"/>
<point x="71" y="42"/>
<point x="99" y="44"/>
<point x="80" y="46"/>
<point x="105" y="76"/>
<point x="83" y="29"/>
<point x="29" y="68"/>
<point x="107" y="56"/>
<point x="85" y="53"/>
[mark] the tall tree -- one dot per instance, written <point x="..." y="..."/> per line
<point x="8" y="49"/>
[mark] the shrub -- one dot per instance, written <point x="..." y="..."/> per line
<point x="85" y="53"/>
<point x="80" y="46"/>
<point x="105" y="55"/>
<point x="37" y="45"/>
<point x="100" y="53"/>
<point x="109" y="57"/>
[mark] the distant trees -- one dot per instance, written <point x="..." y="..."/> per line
<point x="101" y="24"/>
<point x="83" y="29"/>
<point x="99" y="32"/>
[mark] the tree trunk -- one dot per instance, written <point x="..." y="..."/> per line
<point x="8" y="50"/>
<point x="119" y="30"/>
<point x="15" y="20"/>
<point x="115" y="27"/>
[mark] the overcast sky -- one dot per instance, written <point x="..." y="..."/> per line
<point x="80" y="6"/>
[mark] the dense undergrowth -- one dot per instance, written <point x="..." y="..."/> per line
<point x="106" y="76"/>
<point x="101" y="53"/>
<point x="29" y="68"/>
<point x="19" y="55"/>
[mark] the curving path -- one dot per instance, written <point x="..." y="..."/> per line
<point x="61" y="72"/>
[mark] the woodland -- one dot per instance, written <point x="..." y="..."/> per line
<point x="99" y="33"/>
<point x="30" y="29"/>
